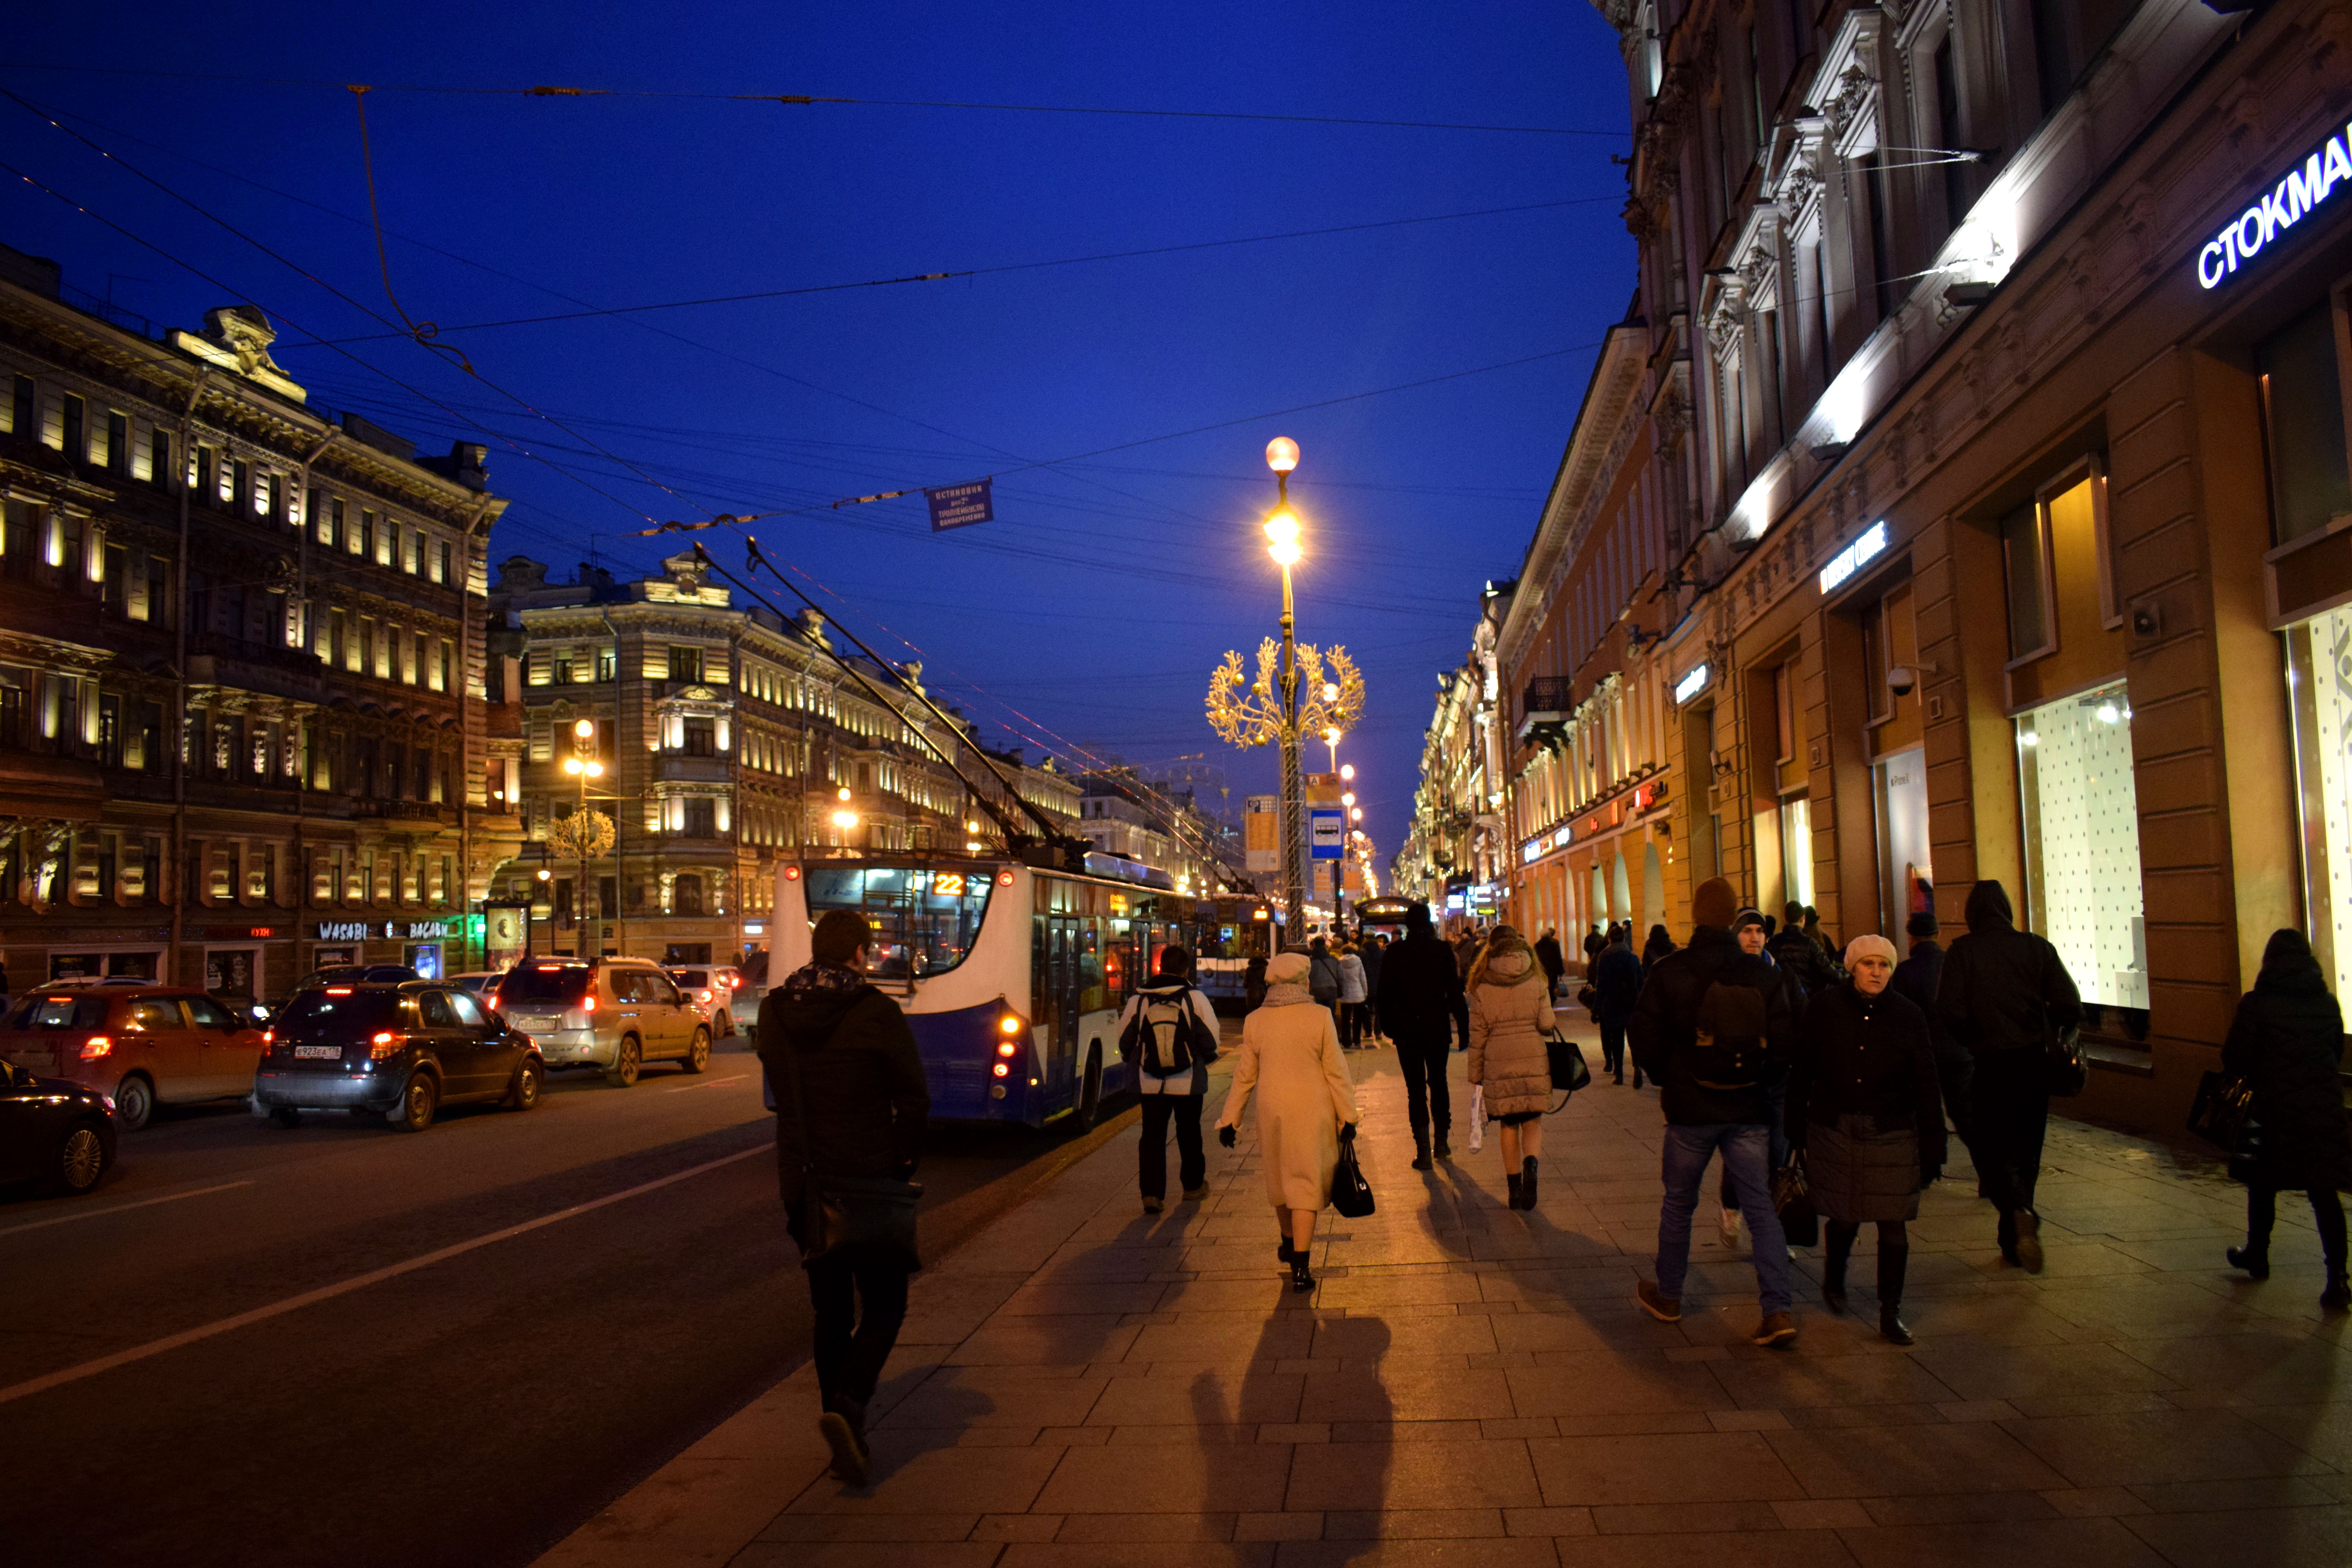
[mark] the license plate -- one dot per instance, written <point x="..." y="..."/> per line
<point x="322" y="1053"/>
<point x="528" y="1025"/>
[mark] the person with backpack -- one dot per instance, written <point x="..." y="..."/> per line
<point x="2005" y="994"/>
<point x="1169" y="1034"/>
<point x="1616" y="988"/>
<point x="851" y="1100"/>
<point x="1800" y="955"/>
<point x="1421" y="1004"/>
<point x="1712" y="1022"/>
<point x="1323" y="977"/>
<point x="2288" y="1043"/>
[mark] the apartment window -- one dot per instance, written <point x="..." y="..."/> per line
<point x="331" y="523"/>
<point x="701" y="738"/>
<point x="207" y="485"/>
<point x="686" y="664"/>
<point x="76" y="434"/>
<point x="608" y="664"/>
<point x="24" y="408"/>
<point x="386" y="548"/>
<point x="240" y="485"/>
<point x="118" y="443"/>
<point x="159" y="458"/>
<point x="494" y="783"/>
<point x="444" y="666"/>
<point x="441" y="562"/>
<point x="562" y="663"/>
<point x="2301" y="394"/>
<point x="701" y="816"/>
<point x="151" y="735"/>
<point x="416" y="552"/>
<point x="685" y="897"/>
<point x="2025" y="560"/>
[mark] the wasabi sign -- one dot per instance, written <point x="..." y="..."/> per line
<point x="2282" y="207"/>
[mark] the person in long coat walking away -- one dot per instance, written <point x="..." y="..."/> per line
<point x="1510" y="1017"/>
<point x="1421" y="1005"/>
<point x="1616" y="986"/>
<point x="1290" y="1062"/>
<point x="2004" y="994"/>
<point x="2287" y="1042"/>
<point x="1866" y="1106"/>
<point x="1553" y="962"/>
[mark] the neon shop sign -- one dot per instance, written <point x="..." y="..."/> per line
<point x="2282" y="207"/>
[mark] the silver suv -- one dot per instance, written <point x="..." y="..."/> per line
<point x="616" y="1013"/>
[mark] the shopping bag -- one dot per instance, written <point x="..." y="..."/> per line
<point x="1793" y="1200"/>
<point x="1477" y="1116"/>
<point x="1350" y="1193"/>
<point x="2219" y="1112"/>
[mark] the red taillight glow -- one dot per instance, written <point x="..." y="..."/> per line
<point x="268" y="1037"/>
<point x="339" y="990"/>
<point x="735" y="984"/>
<point x="384" y="1043"/>
<point x="792" y="873"/>
<point x="1004" y="879"/>
<point x="587" y="1004"/>
<point x="1003" y="1069"/>
<point x="96" y="1047"/>
<point x="702" y="995"/>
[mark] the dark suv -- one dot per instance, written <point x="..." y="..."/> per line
<point x="398" y="1050"/>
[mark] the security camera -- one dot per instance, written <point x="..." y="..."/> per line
<point x="1903" y="679"/>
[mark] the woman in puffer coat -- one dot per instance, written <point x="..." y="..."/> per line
<point x="1510" y="1018"/>
<point x="2286" y="1042"/>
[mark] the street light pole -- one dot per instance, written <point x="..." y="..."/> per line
<point x="1282" y="529"/>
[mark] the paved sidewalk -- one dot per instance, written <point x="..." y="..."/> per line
<point x="1084" y="1384"/>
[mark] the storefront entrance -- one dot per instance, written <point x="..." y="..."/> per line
<point x="1906" y="882"/>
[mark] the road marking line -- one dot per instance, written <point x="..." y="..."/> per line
<point x="122" y="1208"/>
<point x="358" y="1281"/>
<point x="708" y="1083"/>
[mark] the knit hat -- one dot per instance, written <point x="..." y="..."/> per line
<point x="1746" y="918"/>
<point x="1713" y="904"/>
<point x="1863" y="947"/>
<point x="1288" y="968"/>
<point x="1922" y="924"/>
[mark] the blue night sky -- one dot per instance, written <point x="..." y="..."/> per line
<point x="1091" y="612"/>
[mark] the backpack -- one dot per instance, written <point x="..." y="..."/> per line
<point x="1726" y="1051"/>
<point x="1323" y="979"/>
<point x="1166" y="1037"/>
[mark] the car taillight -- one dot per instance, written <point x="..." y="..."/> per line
<point x="587" y="1004"/>
<point x="703" y="996"/>
<point x="735" y="984"/>
<point x="268" y="1037"/>
<point x="96" y="1047"/>
<point x="384" y="1044"/>
<point x="339" y="990"/>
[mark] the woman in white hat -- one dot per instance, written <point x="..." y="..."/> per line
<point x="1306" y="1104"/>
<point x="1866" y="1109"/>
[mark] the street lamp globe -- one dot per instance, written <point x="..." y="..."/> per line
<point x="1331" y="692"/>
<point x="1347" y="770"/>
<point x="584" y="728"/>
<point x="571" y="764"/>
<point x="596" y="770"/>
<point x="1282" y="454"/>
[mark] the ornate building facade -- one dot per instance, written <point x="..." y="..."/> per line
<point x="238" y="637"/>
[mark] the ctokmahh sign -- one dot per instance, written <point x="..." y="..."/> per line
<point x="2282" y="207"/>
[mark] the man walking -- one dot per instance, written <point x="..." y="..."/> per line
<point x="851" y="1102"/>
<point x="1800" y="955"/>
<point x="1421" y="1004"/>
<point x="1917" y="979"/>
<point x="1370" y="954"/>
<point x="1617" y="987"/>
<point x="1712" y="1023"/>
<point x="1554" y="962"/>
<point x="1169" y="1031"/>
<point x="2004" y="994"/>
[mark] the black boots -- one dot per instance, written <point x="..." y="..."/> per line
<point x="2255" y="1260"/>
<point x="1511" y="1181"/>
<point x="1841" y="1248"/>
<point x="1892" y="1262"/>
<point x="2338" y="1297"/>
<point x="844" y="1430"/>
<point x="1528" y="1182"/>
<point x="1300" y="1279"/>
<point x="1445" y="1149"/>
<point x="1421" y="1151"/>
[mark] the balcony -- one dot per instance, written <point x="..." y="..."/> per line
<point x="1544" y="709"/>
<point x="677" y="767"/>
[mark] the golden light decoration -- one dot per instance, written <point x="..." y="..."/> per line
<point x="583" y="836"/>
<point x="1246" y="711"/>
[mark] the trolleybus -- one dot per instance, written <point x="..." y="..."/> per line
<point x="1012" y="976"/>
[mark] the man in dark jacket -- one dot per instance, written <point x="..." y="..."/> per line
<point x="1554" y="962"/>
<point x="2004" y="994"/>
<point x="1374" y="944"/>
<point x="1916" y="980"/>
<point x="1712" y="1024"/>
<point x="1800" y="955"/>
<point x="1617" y="987"/>
<point x="1170" y="1007"/>
<point x="841" y="1061"/>
<point x="1421" y="1004"/>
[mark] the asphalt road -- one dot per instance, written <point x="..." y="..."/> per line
<point x="474" y="1409"/>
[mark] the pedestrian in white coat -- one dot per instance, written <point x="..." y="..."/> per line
<point x="1352" y="1030"/>
<point x="1306" y="1104"/>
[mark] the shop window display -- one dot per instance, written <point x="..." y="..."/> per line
<point x="2082" y="850"/>
<point x="2319" y="686"/>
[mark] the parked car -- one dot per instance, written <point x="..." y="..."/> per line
<point x="54" y="1133"/>
<point x="139" y="1046"/>
<point x="716" y="989"/>
<point x="614" y="1014"/>
<point x="402" y="1051"/>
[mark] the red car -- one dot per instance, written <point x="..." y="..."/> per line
<point x="139" y="1046"/>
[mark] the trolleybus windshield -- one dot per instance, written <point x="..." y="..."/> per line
<point x="924" y="918"/>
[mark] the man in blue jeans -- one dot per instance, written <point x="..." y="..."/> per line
<point x="1713" y="1027"/>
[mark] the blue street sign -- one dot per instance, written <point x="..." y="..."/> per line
<point x="1327" y="835"/>
<point x="959" y="506"/>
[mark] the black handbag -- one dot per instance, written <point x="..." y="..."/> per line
<point x="867" y="1218"/>
<point x="1350" y="1193"/>
<point x="1793" y="1202"/>
<point x="2064" y="1070"/>
<point x="1566" y="1060"/>
<point x="2224" y="1114"/>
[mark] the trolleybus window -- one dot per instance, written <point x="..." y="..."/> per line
<point x="924" y="918"/>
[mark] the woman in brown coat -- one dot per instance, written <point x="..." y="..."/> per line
<point x="1290" y="1062"/>
<point x="1510" y="1020"/>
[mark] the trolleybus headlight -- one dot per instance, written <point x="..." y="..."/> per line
<point x="1009" y="1024"/>
<point x="1004" y="879"/>
<point x="1007" y="1048"/>
<point x="1004" y="1069"/>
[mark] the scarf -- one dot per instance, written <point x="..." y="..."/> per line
<point x="823" y="977"/>
<point x="1286" y="996"/>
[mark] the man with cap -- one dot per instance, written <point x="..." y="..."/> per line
<point x="1712" y="1027"/>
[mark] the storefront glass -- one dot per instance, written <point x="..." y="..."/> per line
<point x="2082" y="850"/>
<point x="1797" y="850"/>
<point x="2319" y="685"/>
